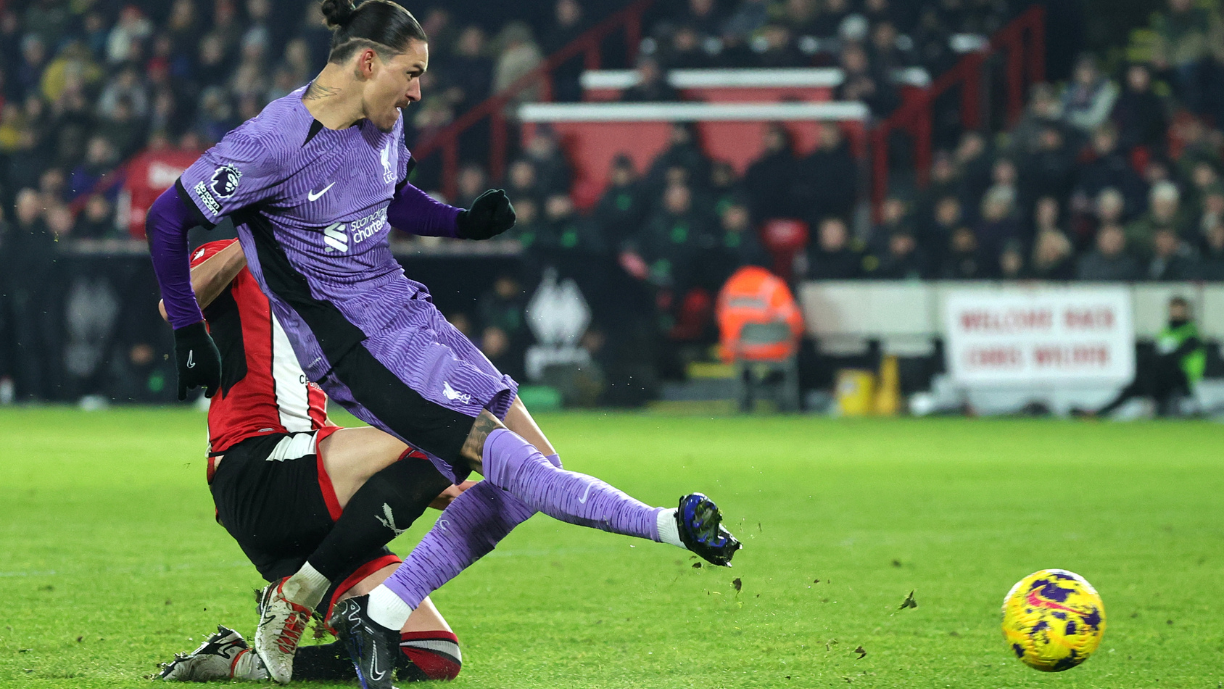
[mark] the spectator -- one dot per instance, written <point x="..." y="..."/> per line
<point x="527" y="228"/>
<point x="521" y="181"/>
<point x="125" y="38"/>
<point x="568" y="24"/>
<point x="863" y="82"/>
<point x="831" y="256"/>
<point x="502" y="316"/>
<point x="1140" y="114"/>
<point x="671" y="240"/>
<point x="567" y="233"/>
<point x="828" y="177"/>
<point x="703" y="17"/>
<point x="747" y="18"/>
<point x="902" y="259"/>
<point x="829" y="21"/>
<point x="470" y="69"/>
<point x="936" y="235"/>
<point x="518" y="55"/>
<point x="1203" y="180"/>
<point x="1171" y="259"/>
<point x="472" y="182"/>
<point x="686" y="50"/>
<point x="1052" y="256"/>
<point x="1212" y="266"/>
<point x="682" y="151"/>
<point x="1050" y="171"/>
<point x="622" y="208"/>
<point x="33" y="296"/>
<point x="652" y="84"/>
<point x="1046" y="216"/>
<point x="213" y="63"/>
<point x="771" y="180"/>
<point x="894" y="216"/>
<point x="47" y="19"/>
<point x="724" y="188"/>
<point x="774" y="48"/>
<point x="1109" y="209"/>
<point x="33" y="61"/>
<point x="97" y="220"/>
<point x="1109" y="262"/>
<point x="552" y="171"/>
<point x="1090" y="97"/>
<point x="100" y="158"/>
<point x="124" y="129"/>
<point x="998" y="225"/>
<point x="963" y="260"/>
<point x="1213" y="210"/>
<point x="1185" y="35"/>
<point x="734" y="245"/>
<point x="1011" y="261"/>
<point x="1164" y="211"/>
<point x="888" y="50"/>
<point x="1109" y="168"/>
<point x="973" y="158"/>
<point x="1044" y="110"/>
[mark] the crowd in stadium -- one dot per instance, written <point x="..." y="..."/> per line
<point x="1114" y="175"/>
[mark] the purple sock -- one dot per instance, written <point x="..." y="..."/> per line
<point x="469" y="528"/>
<point x="514" y="465"/>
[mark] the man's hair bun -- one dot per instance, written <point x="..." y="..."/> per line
<point x="339" y="12"/>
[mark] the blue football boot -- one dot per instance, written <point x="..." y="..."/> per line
<point x="700" y="524"/>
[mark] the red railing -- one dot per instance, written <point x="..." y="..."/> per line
<point x="916" y="114"/>
<point x="588" y="45"/>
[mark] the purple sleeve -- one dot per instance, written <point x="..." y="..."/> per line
<point x="166" y="226"/>
<point x="414" y="212"/>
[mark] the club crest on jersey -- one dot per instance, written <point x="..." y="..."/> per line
<point x="388" y="173"/>
<point x="225" y="181"/>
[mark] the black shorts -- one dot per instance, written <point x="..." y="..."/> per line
<point x="275" y="498"/>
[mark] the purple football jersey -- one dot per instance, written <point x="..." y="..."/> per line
<point x="322" y="195"/>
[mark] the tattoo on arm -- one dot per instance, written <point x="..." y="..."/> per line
<point x="473" y="447"/>
<point x="317" y="91"/>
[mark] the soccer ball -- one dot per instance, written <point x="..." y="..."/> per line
<point x="1053" y="620"/>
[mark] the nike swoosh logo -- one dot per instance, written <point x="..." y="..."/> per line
<point x="583" y="499"/>
<point x="313" y="196"/>
<point x="190" y="357"/>
<point x="375" y="673"/>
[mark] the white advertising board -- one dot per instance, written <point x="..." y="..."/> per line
<point x="1041" y="336"/>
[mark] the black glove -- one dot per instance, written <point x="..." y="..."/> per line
<point x="490" y="215"/>
<point x="197" y="359"/>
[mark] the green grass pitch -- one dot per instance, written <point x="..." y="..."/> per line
<point x="110" y="559"/>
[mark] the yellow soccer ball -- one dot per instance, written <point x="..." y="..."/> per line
<point x="1053" y="620"/>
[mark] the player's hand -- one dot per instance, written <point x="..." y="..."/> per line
<point x="490" y="215"/>
<point x="448" y="496"/>
<point x="197" y="360"/>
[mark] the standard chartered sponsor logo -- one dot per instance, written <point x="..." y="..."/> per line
<point x="338" y="235"/>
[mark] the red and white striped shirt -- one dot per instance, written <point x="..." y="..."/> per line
<point x="263" y="388"/>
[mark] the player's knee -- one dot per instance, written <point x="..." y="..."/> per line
<point x="433" y="655"/>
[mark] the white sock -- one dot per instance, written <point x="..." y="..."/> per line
<point x="388" y="609"/>
<point x="668" y="531"/>
<point x="306" y="587"/>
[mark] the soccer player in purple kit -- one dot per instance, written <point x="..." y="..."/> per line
<point x="314" y="184"/>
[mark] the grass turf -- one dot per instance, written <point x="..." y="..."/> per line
<point x="110" y="558"/>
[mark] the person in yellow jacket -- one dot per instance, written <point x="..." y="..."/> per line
<point x="1172" y="371"/>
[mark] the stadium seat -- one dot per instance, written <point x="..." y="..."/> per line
<point x="784" y="238"/>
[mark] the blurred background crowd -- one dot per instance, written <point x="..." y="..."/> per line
<point x="1113" y="173"/>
